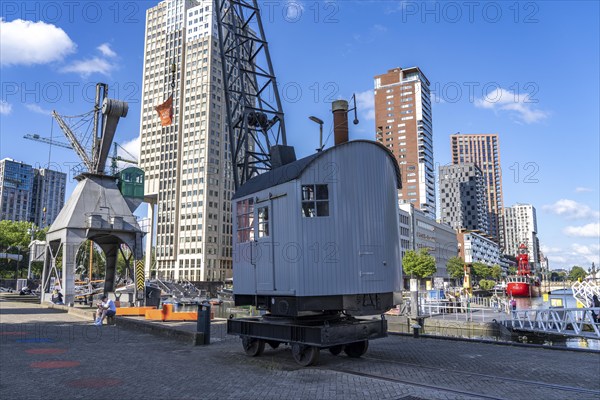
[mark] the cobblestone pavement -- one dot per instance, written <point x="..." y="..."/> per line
<point x="53" y="355"/>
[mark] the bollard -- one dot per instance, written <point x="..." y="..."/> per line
<point x="416" y="328"/>
<point x="203" y="322"/>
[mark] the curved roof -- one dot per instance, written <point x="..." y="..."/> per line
<point x="294" y="169"/>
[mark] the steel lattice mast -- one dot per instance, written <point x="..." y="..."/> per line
<point x="254" y="114"/>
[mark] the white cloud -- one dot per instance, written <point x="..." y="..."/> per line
<point x="581" y="189"/>
<point x="571" y="209"/>
<point x="37" y="109"/>
<point x="28" y="43"/>
<point x="94" y="65"/>
<point x="106" y="51"/>
<point x="90" y="66"/>
<point x="132" y="148"/>
<point x="589" y="230"/>
<point x="577" y="254"/>
<point x="365" y="102"/>
<point x="518" y="105"/>
<point x="5" y="107"/>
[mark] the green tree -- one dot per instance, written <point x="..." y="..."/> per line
<point x="15" y="237"/>
<point x="496" y="272"/>
<point x="420" y="264"/>
<point x="480" y="270"/>
<point x="455" y="267"/>
<point x="577" y="273"/>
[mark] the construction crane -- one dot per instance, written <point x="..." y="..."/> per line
<point x="37" y="138"/>
<point x="115" y="158"/>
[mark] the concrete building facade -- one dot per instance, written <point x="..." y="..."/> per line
<point x="463" y="200"/>
<point x="48" y="196"/>
<point x="186" y="164"/>
<point x="403" y="123"/>
<point x="477" y="247"/>
<point x="520" y="224"/>
<point x="16" y="183"/>
<point x="418" y="230"/>
<point x="483" y="150"/>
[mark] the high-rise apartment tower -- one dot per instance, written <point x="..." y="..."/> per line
<point x="403" y="124"/>
<point x="483" y="150"/>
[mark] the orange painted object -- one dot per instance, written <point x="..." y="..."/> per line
<point x="134" y="310"/>
<point x="167" y="314"/>
<point x="154" y="315"/>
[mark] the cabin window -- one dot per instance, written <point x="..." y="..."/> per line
<point x="315" y="201"/>
<point x="263" y="222"/>
<point x="245" y="220"/>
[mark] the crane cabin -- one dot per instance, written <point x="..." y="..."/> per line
<point x="320" y="234"/>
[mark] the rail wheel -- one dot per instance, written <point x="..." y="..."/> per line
<point x="336" y="350"/>
<point x="253" y="347"/>
<point x="356" y="349"/>
<point x="305" y="355"/>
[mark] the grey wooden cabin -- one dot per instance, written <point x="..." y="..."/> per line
<point x="320" y="234"/>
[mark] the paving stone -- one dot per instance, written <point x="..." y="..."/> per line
<point x="137" y="365"/>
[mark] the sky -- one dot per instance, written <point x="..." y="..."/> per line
<point x="528" y="71"/>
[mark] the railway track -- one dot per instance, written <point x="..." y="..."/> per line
<point x="588" y="393"/>
<point x="509" y="388"/>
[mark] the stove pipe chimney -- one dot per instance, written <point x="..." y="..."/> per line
<point x="340" y="121"/>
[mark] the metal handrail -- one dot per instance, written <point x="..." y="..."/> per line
<point x="563" y="321"/>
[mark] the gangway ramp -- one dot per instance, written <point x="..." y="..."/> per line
<point x="576" y="322"/>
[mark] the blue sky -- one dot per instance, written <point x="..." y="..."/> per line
<point x="527" y="71"/>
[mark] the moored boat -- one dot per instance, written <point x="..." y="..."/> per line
<point x="521" y="284"/>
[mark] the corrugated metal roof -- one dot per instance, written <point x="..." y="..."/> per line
<point x="293" y="170"/>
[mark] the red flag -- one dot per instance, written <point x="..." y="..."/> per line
<point x="165" y="112"/>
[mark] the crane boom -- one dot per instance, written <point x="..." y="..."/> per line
<point x="51" y="142"/>
<point x="254" y="114"/>
<point x="74" y="142"/>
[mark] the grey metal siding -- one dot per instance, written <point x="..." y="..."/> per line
<point x="356" y="249"/>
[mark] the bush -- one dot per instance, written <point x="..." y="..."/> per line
<point x="486" y="284"/>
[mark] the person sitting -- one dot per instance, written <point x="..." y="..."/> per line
<point x="106" y="308"/>
<point x="57" y="297"/>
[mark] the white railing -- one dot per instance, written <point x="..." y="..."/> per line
<point x="462" y="312"/>
<point x="561" y="321"/>
<point x="584" y="291"/>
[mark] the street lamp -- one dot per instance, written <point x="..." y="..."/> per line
<point x="31" y="231"/>
<point x="320" y="122"/>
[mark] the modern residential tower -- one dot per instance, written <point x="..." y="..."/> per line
<point x="483" y="150"/>
<point x="16" y="182"/>
<point x="463" y="198"/>
<point x="48" y="196"/>
<point x="403" y="124"/>
<point x="520" y="224"/>
<point x="186" y="163"/>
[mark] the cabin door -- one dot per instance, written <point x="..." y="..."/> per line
<point x="263" y="247"/>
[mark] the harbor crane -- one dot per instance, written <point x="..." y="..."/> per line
<point x="115" y="158"/>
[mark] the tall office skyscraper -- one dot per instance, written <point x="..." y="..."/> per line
<point x="16" y="182"/>
<point x="48" y="196"/>
<point x="520" y="224"/>
<point x="463" y="199"/>
<point x="404" y="125"/>
<point x="186" y="164"/>
<point x="483" y="150"/>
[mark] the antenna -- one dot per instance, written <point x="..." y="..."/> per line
<point x="355" y="121"/>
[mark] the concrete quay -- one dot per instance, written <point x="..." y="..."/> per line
<point x="53" y="354"/>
